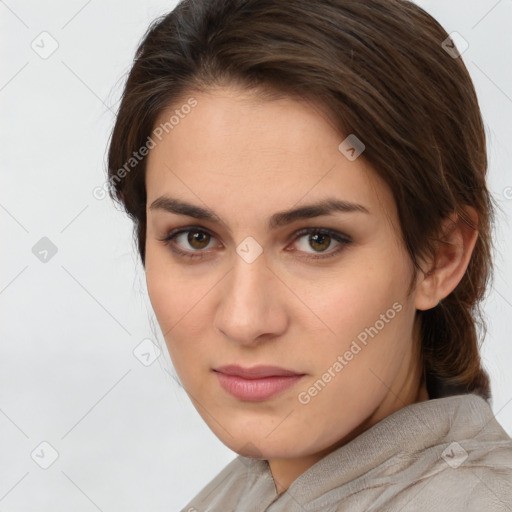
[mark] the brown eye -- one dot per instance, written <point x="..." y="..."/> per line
<point x="319" y="241"/>
<point x="198" y="239"/>
<point x="312" y="242"/>
<point x="190" y="243"/>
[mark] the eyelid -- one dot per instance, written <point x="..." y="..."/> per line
<point x="338" y="236"/>
<point x="172" y="234"/>
<point x="342" y="239"/>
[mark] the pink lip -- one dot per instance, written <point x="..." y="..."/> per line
<point x="257" y="383"/>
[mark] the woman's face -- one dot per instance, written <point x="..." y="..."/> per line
<point x="243" y="283"/>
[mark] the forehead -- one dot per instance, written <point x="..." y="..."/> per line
<point x="235" y="149"/>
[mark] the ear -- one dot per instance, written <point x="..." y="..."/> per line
<point x="452" y="255"/>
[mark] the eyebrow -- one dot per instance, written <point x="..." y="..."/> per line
<point x="326" y="206"/>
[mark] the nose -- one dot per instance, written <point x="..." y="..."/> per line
<point x="251" y="308"/>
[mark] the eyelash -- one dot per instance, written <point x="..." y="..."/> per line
<point x="338" y="237"/>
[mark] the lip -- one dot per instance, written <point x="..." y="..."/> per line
<point x="256" y="372"/>
<point x="257" y="383"/>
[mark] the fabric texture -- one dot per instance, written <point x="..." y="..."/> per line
<point x="445" y="454"/>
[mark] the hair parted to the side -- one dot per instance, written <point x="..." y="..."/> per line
<point x="379" y="69"/>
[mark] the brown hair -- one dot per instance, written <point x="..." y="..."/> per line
<point x="380" y="69"/>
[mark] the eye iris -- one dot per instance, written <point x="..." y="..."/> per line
<point x="195" y="237"/>
<point x="324" y="241"/>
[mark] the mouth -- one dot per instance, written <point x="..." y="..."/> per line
<point x="257" y="383"/>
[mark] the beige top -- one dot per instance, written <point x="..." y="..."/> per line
<point x="445" y="454"/>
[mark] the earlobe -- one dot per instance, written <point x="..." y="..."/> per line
<point x="426" y="292"/>
<point x="453" y="252"/>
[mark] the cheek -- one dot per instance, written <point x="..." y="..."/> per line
<point x="366" y="305"/>
<point x="352" y="303"/>
<point x="369" y="318"/>
<point x="165" y="304"/>
<point x="179" y="303"/>
<point x="173" y="294"/>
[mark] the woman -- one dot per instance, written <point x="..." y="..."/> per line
<point x="307" y="184"/>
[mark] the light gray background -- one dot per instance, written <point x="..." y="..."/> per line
<point x="126" y="434"/>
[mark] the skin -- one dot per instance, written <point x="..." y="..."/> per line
<point x="247" y="158"/>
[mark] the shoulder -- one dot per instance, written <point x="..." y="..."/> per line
<point x="470" y="475"/>
<point x="471" y="488"/>
<point x="465" y="463"/>
<point x="463" y="489"/>
<point x="471" y="465"/>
